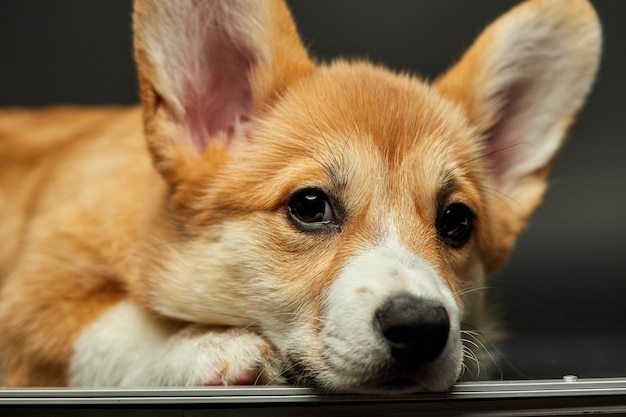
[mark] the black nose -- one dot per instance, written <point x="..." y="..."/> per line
<point x="415" y="329"/>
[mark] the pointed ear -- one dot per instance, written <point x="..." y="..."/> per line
<point x="207" y="67"/>
<point x="522" y="84"/>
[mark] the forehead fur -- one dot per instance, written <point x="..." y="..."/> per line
<point x="355" y="123"/>
<point x="364" y="102"/>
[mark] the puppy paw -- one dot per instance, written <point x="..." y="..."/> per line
<point x="225" y="357"/>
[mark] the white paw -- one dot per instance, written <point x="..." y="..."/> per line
<point x="202" y="356"/>
<point x="128" y="347"/>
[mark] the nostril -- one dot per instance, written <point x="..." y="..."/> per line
<point x="415" y="329"/>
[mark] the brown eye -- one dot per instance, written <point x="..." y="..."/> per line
<point x="310" y="209"/>
<point x="455" y="224"/>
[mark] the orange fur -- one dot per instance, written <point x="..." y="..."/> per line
<point x="200" y="235"/>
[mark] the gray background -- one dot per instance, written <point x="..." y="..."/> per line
<point x="563" y="291"/>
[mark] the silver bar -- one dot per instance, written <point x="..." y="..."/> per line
<point x="465" y="391"/>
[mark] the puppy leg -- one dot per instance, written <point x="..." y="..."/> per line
<point x="43" y="308"/>
<point x="129" y="346"/>
<point x="65" y="319"/>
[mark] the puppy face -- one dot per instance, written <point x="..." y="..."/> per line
<point x="337" y="216"/>
<point x="347" y="212"/>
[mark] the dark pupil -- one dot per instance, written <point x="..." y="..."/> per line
<point x="456" y="223"/>
<point x="309" y="208"/>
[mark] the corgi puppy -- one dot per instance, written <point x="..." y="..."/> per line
<point x="264" y="218"/>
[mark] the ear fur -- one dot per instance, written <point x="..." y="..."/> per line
<point x="522" y="83"/>
<point x="206" y="68"/>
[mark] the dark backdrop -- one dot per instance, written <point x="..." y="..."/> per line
<point x="563" y="292"/>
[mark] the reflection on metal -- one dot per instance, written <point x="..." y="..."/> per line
<point x="569" y="396"/>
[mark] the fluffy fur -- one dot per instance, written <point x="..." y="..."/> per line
<point x="181" y="263"/>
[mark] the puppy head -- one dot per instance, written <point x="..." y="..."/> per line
<point x="345" y="211"/>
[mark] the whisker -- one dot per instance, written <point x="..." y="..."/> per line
<point x="463" y="369"/>
<point x="258" y="377"/>
<point x="249" y="325"/>
<point x="345" y="143"/>
<point x="313" y="155"/>
<point x="500" y="354"/>
<point x="320" y="320"/>
<point x="477" y="342"/>
<point x="471" y="290"/>
<point x="330" y="150"/>
<point x="469" y="353"/>
<point x="296" y="379"/>
<point x="495" y="151"/>
<point x="493" y="191"/>
<point x="502" y="197"/>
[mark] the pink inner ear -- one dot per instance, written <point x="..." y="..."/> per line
<point x="505" y="138"/>
<point x="519" y="143"/>
<point x="218" y="94"/>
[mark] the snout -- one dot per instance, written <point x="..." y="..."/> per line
<point x="390" y="325"/>
<point x="415" y="330"/>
